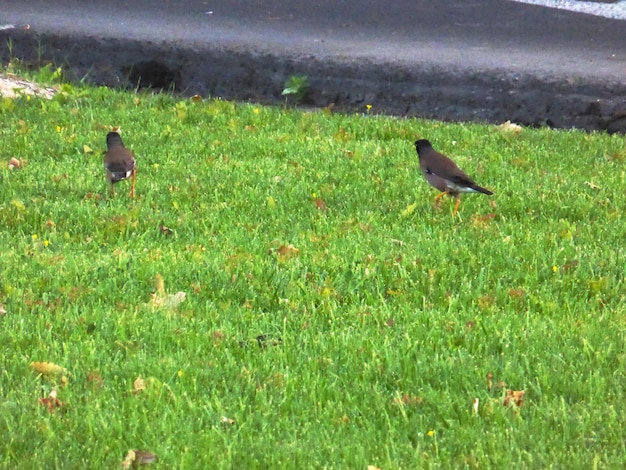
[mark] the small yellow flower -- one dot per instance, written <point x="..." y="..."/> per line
<point x="34" y="237"/>
<point x="256" y="110"/>
<point x="314" y="195"/>
<point x="156" y="166"/>
<point x="368" y="106"/>
<point x="46" y="243"/>
<point x="58" y="128"/>
<point x="555" y="268"/>
<point x="431" y="433"/>
<point x="180" y="373"/>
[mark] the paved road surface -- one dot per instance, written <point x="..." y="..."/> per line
<point x="450" y="59"/>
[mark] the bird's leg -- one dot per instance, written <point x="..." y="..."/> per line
<point x="439" y="196"/>
<point x="132" y="187"/>
<point x="456" y="206"/>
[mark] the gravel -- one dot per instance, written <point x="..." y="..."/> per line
<point x="608" y="10"/>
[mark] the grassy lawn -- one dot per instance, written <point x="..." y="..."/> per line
<point x="333" y="318"/>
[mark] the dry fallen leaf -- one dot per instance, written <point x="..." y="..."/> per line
<point x="161" y="299"/>
<point x="508" y="126"/>
<point x="166" y="230"/>
<point x="320" y="204"/>
<point x="135" y="458"/>
<point x="514" y="397"/>
<point x="409" y="400"/>
<point x="47" y="368"/>
<point x="287" y="251"/>
<point x="3" y="312"/>
<point x="227" y="421"/>
<point x="482" y="220"/>
<point x="174" y="300"/>
<point x="139" y="385"/>
<point x="95" y="379"/>
<point x="51" y="401"/>
<point x="14" y="163"/>
<point x="475" y="405"/>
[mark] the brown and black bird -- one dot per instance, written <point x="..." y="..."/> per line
<point x="443" y="174"/>
<point x="119" y="162"/>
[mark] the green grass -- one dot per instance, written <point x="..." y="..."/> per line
<point x="381" y="329"/>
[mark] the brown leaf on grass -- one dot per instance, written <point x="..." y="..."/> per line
<point x="390" y="322"/>
<point x="14" y="163"/>
<point x="482" y="220"/>
<point x="161" y="299"/>
<point x="571" y="264"/>
<point x="514" y="397"/>
<point x="616" y="156"/>
<point x="287" y="250"/>
<point x="328" y="110"/>
<point x="3" y="312"/>
<point x="508" y="126"/>
<point x="139" y="385"/>
<point x="196" y="99"/>
<point x="47" y="368"/>
<point x="486" y="302"/>
<point x="227" y="421"/>
<point x="51" y="402"/>
<point x="95" y="379"/>
<point x="592" y="185"/>
<point x="134" y="458"/>
<point x="320" y="204"/>
<point x="516" y="293"/>
<point x="174" y="300"/>
<point x="408" y="400"/>
<point x="166" y="231"/>
<point x="475" y="405"/>
<point x="489" y="381"/>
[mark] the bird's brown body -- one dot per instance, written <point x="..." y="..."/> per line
<point x="119" y="162"/>
<point x="443" y="174"/>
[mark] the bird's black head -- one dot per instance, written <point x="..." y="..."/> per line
<point x="113" y="138"/>
<point x="422" y="144"/>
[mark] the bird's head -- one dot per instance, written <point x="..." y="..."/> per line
<point x="422" y="144"/>
<point x="113" y="138"/>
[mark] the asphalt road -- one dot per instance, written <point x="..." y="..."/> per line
<point x="456" y="60"/>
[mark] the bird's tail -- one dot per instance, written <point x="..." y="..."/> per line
<point x="480" y="189"/>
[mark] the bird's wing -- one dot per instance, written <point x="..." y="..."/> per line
<point x="445" y="168"/>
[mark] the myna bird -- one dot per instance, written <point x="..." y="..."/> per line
<point x="443" y="174"/>
<point x="119" y="162"/>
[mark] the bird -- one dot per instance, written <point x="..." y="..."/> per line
<point x="443" y="174"/>
<point x="119" y="162"/>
